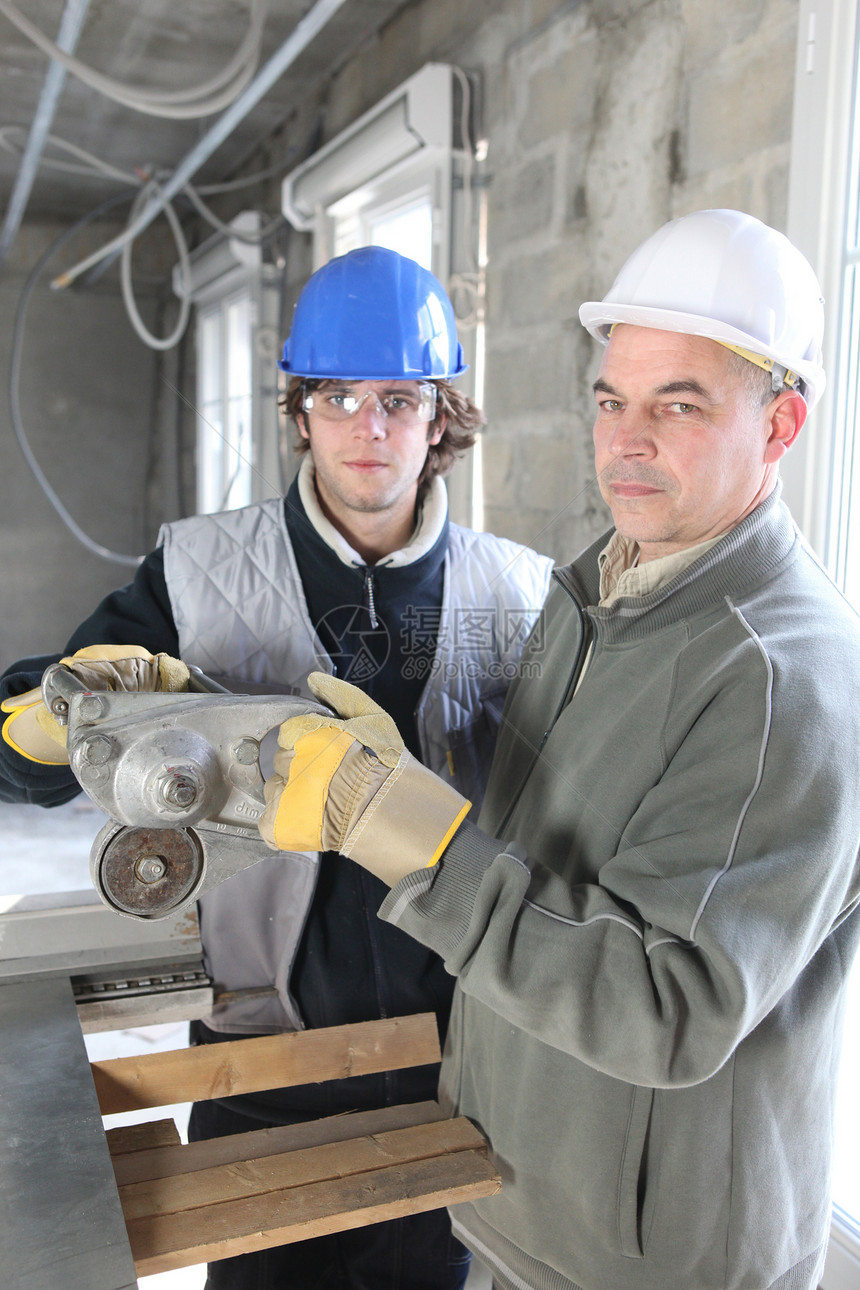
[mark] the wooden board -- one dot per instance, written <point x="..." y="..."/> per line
<point x="276" y="1061"/>
<point x="164" y="1241"/>
<point x="165" y="1159"/>
<point x="247" y="1178"/>
<point x="192" y="1203"/>
<point x="139" y="1139"/>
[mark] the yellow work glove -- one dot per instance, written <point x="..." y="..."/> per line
<point x="348" y="784"/>
<point x="32" y="730"/>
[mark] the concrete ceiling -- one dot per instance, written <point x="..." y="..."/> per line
<point x="157" y="44"/>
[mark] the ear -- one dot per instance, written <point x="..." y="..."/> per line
<point x="437" y="429"/>
<point x="785" y="417"/>
<point x="304" y="428"/>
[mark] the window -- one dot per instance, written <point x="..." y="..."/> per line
<point x="408" y="228"/>
<point x="388" y="180"/>
<point x="843" y="1264"/>
<point x="844" y="530"/>
<point x="225" y="450"/>
<point x="822" y="473"/>
<point x="404" y="225"/>
<point x="237" y="299"/>
<point x="394" y="159"/>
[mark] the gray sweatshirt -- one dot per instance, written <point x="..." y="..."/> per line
<point x="651" y="965"/>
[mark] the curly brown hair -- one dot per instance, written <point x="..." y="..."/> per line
<point x="463" y="420"/>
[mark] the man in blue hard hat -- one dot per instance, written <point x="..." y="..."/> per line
<point x="357" y="572"/>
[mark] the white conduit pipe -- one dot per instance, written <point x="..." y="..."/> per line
<point x="184" y="104"/>
<point x="299" y="38"/>
<point x="71" y="24"/>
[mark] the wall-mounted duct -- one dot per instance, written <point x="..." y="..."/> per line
<point x="220" y="255"/>
<point x="415" y="118"/>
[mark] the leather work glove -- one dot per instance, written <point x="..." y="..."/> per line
<point x="33" y="731"/>
<point x="348" y="784"/>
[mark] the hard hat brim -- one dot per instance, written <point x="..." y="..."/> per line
<point x="373" y="374"/>
<point x="599" y="316"/>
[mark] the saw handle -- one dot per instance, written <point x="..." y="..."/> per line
<point x="59" y="686"/>
<point x="200" y="683"/>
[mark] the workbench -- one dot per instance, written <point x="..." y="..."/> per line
<point x="86" y="1210"/>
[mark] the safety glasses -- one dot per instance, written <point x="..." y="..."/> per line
<point x="403" y="403"/>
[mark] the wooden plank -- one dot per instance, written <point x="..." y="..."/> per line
<point x="138" y="1139"/>
<point x="163" y="1161"/>
<point x="298" y="1168"/>
<point x="162" y="1242"/>
<point x="124" y="1013"/>
<point x="276" y="1061"/>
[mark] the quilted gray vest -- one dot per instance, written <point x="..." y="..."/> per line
<point x="240" y="611"/>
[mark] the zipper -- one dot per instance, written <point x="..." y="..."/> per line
<point x="576" y="670"/>
<point x="370" y="596"/>
<point x="573" y="679"/>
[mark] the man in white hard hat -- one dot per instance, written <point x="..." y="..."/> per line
<point x="653" y="922"/>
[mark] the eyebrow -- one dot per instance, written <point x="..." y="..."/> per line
<point x="686" y="386"/>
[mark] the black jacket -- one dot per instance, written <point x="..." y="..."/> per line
<point x="350" y="966"/>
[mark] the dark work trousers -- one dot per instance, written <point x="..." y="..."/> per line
<point x="414" y="1253"/>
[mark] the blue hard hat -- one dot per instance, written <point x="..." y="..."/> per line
<point x="373" y="315"/>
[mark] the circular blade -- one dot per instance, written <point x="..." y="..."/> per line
<point x="148" y="872"/>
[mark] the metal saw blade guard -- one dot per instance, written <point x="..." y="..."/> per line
<point x="179" y="777"/>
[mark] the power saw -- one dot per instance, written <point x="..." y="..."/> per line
<point x="179" y="777"/>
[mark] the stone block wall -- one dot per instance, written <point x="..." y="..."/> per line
<point x="89" y="396"/>
<point x="603" y="119"/>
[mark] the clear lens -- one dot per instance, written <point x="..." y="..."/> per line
<point x="403" y="404"/>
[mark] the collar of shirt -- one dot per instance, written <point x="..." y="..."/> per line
<point x="621" y="574"/>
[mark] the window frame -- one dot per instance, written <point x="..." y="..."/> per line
<point x="818" y="190"/>
<point x="826" y="125"/>
<point x="225" y="271"/>
<point x="234" y="485"/>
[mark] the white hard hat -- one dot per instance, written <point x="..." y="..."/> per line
<point x="727" y="276"/>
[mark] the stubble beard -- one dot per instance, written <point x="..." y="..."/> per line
<point x="354" y="499"/>
<point x="633" y="520"/>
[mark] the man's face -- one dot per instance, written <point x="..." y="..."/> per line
<point x="368" y="462"/>
<point x="681" y="450"/>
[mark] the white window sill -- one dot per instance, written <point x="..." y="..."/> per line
<point x="842" y="1267"/>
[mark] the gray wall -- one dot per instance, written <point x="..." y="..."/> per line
<point x="603" y="119"/>
<point x="92" y="399"/>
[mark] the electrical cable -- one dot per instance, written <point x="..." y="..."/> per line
<point x="130" y="232"/>
<point x="253" y="239"/>
<point x="156" y="342"/>
<point x="468" y="282"/>
<point x="230" y="185"/>
<point x="468" y="154"/>
<point x="238" y="73"/>
<point x="92" y="165"/>
<point x="14" y="387"/>
<point x="212" y="96"/>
